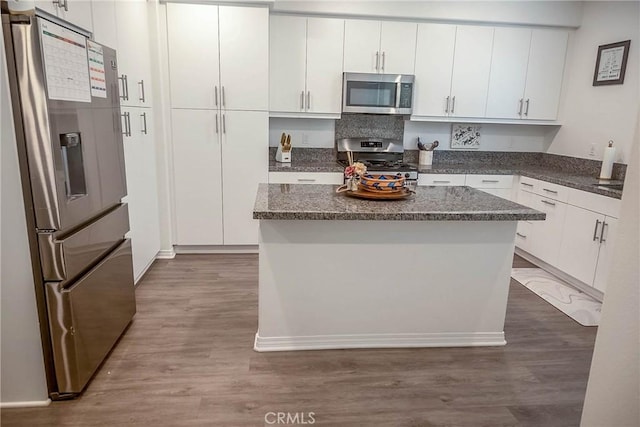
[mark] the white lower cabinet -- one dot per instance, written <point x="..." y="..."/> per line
<point x="334" y="178"/>
<point x="142" y="187"/>
<point x="548" y="233"/>
<point x="498" y="185"/>
<point x="605" y="256"/>
<point x="219" y="159"/>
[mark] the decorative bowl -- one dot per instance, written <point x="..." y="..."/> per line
<point x="379" y="183"/>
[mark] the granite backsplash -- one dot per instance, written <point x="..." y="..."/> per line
<point x="370" y="126"/>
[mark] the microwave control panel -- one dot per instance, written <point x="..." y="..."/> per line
<point x="406" y="91"/>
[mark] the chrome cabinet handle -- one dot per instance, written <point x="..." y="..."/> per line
<point x="520" y="109"/>
<point x="224" y="123"/>
<point x="125" y="87"/>
<point x="224" y="104"/>
<point x="62" y="4"/>
<point x="446" y="109"/>
<point x="377" y="61"/>
<point x="306" y="180"/>
<point x="216" y="123"/>
<point x="521" y="235"/>
<point x="144" y="122"/>
<point x="453" y="104"/>
<point x="383" y="60"/>
<point x="550" y="191"/>
<point x="490" y="180"/>
<point x="604" y="224"/>
<point x="527" y="184"/>
<point x="127" y="123"/>
<point x="216" y="95"/>
<point x="308" y="100"/>
<point x="66" y="5"/>
<point x="526" y="110"/>
<point x="302" y="100"/>
<point x="142" y="97"/>
<point x="546" y="202"/>
<point x="441" y="182"/>
<point x="595" y="230"/>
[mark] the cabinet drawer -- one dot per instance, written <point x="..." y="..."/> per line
<point x="441" y="179"/>
<point x="528" y="184"/>
<point x="523" y="235"/>
<point x="553" y="191"/>
<point x="334" y="178"/>
<point x="595" y="202"/>
<point x="489" y="181"/>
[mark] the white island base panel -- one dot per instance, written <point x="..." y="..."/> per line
<point x="382" y="284"/>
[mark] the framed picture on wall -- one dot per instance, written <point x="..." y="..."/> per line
<point x="611" y="63"/>
<point x="465" y="136"/>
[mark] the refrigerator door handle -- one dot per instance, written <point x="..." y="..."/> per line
<point x="125" y="87"/>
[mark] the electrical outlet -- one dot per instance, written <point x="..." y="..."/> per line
<point x="592" y="151"/>
<point x="304" y="139"/>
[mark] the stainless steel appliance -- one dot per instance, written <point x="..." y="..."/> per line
<point x="380" y="155"/>
<point x="377" y="93"/>
<point x="64" y="91"/>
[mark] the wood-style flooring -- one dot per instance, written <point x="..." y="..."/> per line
<point x="187" y="360"/>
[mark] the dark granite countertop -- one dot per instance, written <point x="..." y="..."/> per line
<point x="321" y="202"/>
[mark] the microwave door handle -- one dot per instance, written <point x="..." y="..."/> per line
<point x="398" y="92"/>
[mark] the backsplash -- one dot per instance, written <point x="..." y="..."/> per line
<point x="370" y="126"/>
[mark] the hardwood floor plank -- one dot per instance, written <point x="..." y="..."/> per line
<point x="187" y="360"/>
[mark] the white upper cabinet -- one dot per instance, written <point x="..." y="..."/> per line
<point x="244" y="57"/>
<point x="471" y="68"/>
<point x="287" y="63"/>
<point x="544" y="74"/>
<point x="78" y="12"/>
<point x="48" y="6"/>
<point x="134" y="61"/>
<point x="193" y="39"/>
<point x="218" y="56"/>
<point x="361" y="46"/>
<point x="104" y="22"/>
<point x="325" y="39"/>
<point x="526" y="73"/>
<point x="434" y="66"/>
<point x="508" y="72"/>
<point x="398" y="47"/>
<point x="379" y="47"/>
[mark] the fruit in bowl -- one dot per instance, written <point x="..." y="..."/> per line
<point x="382" y="183"/>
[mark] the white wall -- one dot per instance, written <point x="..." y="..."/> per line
<point x="613" y="391"/>
<point x="552" y="13"/>
<point x="21" y="362"/>
<point x="596" y="114"/>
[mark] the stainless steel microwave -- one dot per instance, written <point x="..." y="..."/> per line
<point x="377" y="93"/>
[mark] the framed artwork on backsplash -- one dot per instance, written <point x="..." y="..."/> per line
<point x="466" y="137"/>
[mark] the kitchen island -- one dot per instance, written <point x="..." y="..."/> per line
<point x="335" y="272"/>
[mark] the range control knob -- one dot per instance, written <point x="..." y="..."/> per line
<point x="406" y="175"/>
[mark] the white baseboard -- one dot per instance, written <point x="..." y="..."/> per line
<point x="216" y="249"/>
<point x="30" y="404"/>
<point x="166" y="254"/>
<point x="589" y="290"/>
<point x="328" y="342"/>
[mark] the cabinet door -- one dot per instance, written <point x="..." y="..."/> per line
<point x="287" y="57"/>
<point x="547" y="234"/>
<point x="192" y="32"/>
<point x="245" y="154"/>
<point x="48" y="6"/>
<point x="361" y="46"/>
<point x="580" y="243"/>
<point x="434" y="65"/>
<point x="398" y="47"/>
<point x="325" y="41"/>
<point x="471" y="66"/>
<point x="544" y="74"/>
<point x="78" y="12"/>
<point x="104" y="22"/>
<point x="607" y="237"/>
<point x="142" y="189"/>
<point x="244" y="57"/>
<point x="197" y="176"/>
<point x="133" y="51"/>
<point x="508" y="72"/>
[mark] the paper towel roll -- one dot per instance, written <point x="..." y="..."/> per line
<point x="607" y="161"/>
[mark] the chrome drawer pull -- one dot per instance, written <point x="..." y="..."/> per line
<point x="527" y="184"/>
<point x="441" y="182"/>
<point x="306" y="180"/>
<point x="548" y="203"/>
<point x="595" y="230"/>
<point x="490" y="180"/>
<point x="521" y="235"/>
<point x="550" y="191"/>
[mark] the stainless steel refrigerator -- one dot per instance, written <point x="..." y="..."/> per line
<point x="64" y="91"/>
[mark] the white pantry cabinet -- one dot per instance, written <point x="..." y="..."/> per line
<point x="218" y="56"/>
<point x="104" y="23"/>
<point x="526" y="73"/>
<point x="78" y="12"/>
<point x="219" y="159"/>
<point x="379" y="47"/>
<point x="452" y="70"/>
<point x="306" y="57"/>
<point x="142" y="187"/>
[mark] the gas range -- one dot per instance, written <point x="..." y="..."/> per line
<point x="380" y="155"/>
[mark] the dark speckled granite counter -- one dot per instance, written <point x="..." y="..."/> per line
<point x="321" y="202"/>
